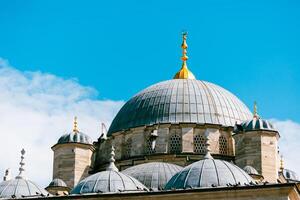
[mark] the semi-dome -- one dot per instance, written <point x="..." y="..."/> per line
<point x="109" y="181"/>
<point x="57" y="183"/>
<point x="153" y="175"/>
<point x="20" y="187"/>
<point x="181" y="101"/>
<point x="209" y="172"/>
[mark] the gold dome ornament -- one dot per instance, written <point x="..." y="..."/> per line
<point x="184" y="72"/>
<point x="75" y="127"/>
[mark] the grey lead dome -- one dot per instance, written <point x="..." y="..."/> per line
<point x="153" y="175"/>
<point x="108" y="182"/>
<point x="19" y="187"/>
<point x="75" y="137"/>
<point x="209" y="173"/>
<point x="181" y="101"/>
<point x="57" y="183"/>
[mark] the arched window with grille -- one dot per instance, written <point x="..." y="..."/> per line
<point x="175" y="144"/>
<point x="127" y="148"/>
<point x="223" y="145"/>
<point x="150" y="148"/>
<point x="199" y="144"/>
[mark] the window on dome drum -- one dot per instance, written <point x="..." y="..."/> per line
<point x="175" y="144"/>
<point x="149" y="145"/>
<point x="127" y="148"/>
<point x="223" y="145"/>
<point x="199" y="144"/>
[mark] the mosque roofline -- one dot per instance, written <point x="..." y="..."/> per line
<point x="178" y="191"/>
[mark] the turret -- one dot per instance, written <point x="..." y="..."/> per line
<point x="256" y="144"/>
<point x="72" y="157"/>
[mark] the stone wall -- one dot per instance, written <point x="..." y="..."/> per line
<point x="259" y="150"/>
<point x="71" y="162"/>
<point x="132" y="146"/>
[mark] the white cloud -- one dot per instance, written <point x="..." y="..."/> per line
<point x="36" y="109"/>
<point x="289" y="143"/>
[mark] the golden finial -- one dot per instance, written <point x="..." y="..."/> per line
<point x="184" y="72"/>
<point x="281" y="163"/>
<point x="255" y="113"/>
<point x="75" y="128"/>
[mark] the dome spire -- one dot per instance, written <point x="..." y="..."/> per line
<point x="7" y="175"/>
<point x="184" y="72"/>
<point x="281" y="164"/>
<point x="22" y="163"/>
<point x="112" y="166"/>
<point x="75" y="127"/>
<point x="255" y="113"/>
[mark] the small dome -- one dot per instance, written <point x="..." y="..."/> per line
<point x="254" y="125"/>
<point x="19" y="187"/>
<point x="57" y="183"/>
<point x="75" y="137"/>
<point x="209" y="172"/>
<point x="153" y="175"/>
<point x="290" y="175"/>
<point x="108" y="181"/>
<point x="250" y="170"/>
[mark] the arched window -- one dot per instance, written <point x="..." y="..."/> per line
<point x="150" y="148"/>
<point x="199" y="144"/>
<point x="127" y="148"/>
<point x="175" y="144"/>
<point x="223" y="145"/>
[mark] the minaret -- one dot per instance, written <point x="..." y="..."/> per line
<point x="256" y="145"/>
<point x="72" y="156"/>
<point x="184" y="72"/>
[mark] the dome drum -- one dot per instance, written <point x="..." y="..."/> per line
<point x="174" y="143"/>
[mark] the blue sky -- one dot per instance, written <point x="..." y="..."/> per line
<point x="251" y="48"/>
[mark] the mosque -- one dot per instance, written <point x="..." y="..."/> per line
<point x="175" y="138"/>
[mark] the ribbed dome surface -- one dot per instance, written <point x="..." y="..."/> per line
<point x="75" y="137"/>
<point x="18" y="188"/>
<point x="290" y="175"/>
<point x="209" y="173"/>
<point x="108" y="181"/>
<point x="153" y="175"/>
<point x="181" y="100"/>
<point x="57" y="183"/>
<point x="256" y="124"/>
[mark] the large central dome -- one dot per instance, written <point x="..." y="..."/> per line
<point x="181" y="101"/>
